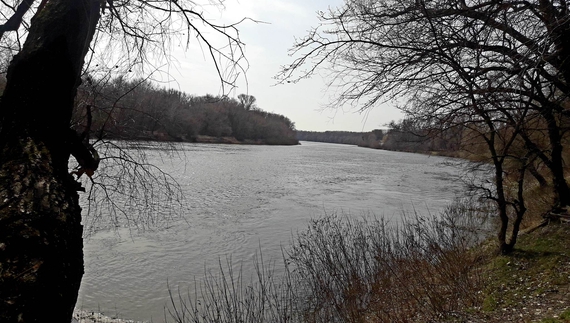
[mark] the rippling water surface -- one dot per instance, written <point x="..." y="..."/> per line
<point x="242" y="197"/>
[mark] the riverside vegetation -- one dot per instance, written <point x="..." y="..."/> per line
<point x="126" y="109"/>
<point x="426" y="269"/>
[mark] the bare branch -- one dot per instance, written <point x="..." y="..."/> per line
<point x="15" y="20"/>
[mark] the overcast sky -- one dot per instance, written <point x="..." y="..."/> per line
<point x="305" y="103"/>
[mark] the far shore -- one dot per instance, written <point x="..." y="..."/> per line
<point x="162" y="137"/>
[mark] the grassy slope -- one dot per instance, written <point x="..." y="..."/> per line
<point x="530" y="285"/>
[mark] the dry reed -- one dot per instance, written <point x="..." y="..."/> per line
<point x="346" y="269"/>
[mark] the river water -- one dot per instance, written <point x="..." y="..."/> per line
<point x="240" y="199"/>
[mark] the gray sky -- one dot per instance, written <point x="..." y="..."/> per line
<point x="305" y="103"/>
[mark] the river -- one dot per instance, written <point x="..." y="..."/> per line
<point x="239" y="199"/>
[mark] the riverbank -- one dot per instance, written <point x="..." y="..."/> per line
<point x="202" y="139"/>
<point x="234" y="141"/>
<point x="82" y="316"/>
<point x="530" y="285"/>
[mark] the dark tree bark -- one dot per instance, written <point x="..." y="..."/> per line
<point x="561" y="189"/>
<point x="41" y="258"/>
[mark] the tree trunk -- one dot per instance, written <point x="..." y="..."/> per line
<point x="41" y="258"/>
<point x="504" y="246"/>
<point x="520" y="210"/>
<point x="561" y="189"/>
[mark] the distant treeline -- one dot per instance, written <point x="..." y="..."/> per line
<point x="119" y="108"/>
<point x="404" y="135"/>
<point x="336" y="137"/>
<point x="412" y="136"/>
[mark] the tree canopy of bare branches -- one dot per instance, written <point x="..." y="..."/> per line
<point x="497" y="68"/>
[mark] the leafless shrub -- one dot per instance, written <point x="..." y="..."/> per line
<point x="227" y="296"/>
<point x="357" y="270"/>
<point x="343" y="269"/>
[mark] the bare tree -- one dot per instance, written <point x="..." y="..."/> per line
<point x="247" y="101"/>
<point x="494" y="65"/>
<point x="41" y="257"/>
